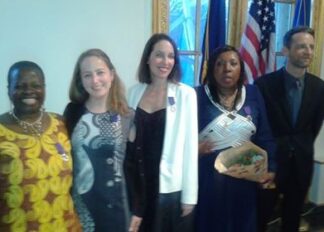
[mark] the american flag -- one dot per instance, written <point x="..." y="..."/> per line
<point x="258" y="40"/>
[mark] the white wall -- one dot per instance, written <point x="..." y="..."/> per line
<point x="54" y="33"/>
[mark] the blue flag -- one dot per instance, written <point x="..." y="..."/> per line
<point x="215" y="33"/>
<point x="302" y="13"/>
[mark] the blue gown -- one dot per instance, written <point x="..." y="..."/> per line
<point x="227" y="204"/>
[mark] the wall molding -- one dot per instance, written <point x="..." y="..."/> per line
<point x="160" y="16"/>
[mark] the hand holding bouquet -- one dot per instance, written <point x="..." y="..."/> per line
<point x="247" y="161"/>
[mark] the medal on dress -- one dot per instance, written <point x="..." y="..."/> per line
<point x="113" y="118"/>
<point x="248" y="112"/>
<point x="61" y="151"/>
<point x="172" y="103"/>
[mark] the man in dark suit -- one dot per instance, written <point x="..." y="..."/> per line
<point x="295" y="106"/>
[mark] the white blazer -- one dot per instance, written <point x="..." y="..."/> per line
<point x="179" y="162"/>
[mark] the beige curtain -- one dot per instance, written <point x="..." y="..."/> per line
<point x="237" y="19"/>
<point x="317" y="25"/>
<point x="160" y="16"/>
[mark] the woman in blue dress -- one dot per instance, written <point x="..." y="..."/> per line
<point x="98" y="120"/>
<point x="226" y="203"/>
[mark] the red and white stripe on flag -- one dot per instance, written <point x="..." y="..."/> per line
<point x="258" y="40"/>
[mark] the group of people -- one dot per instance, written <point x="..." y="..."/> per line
<point x="134" y="163"/>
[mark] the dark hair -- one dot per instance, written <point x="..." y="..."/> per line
<point x="287" y="39"/>
<point x="23" y="65"/>
<point x="143" y="72"/>
<point x="116" y="98"/>
<point x="210" y="79"/>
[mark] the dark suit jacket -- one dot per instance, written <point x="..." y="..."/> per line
<point x="295" y="145"/>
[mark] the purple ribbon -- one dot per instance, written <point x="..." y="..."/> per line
<point x="59" y="148"/>
<point x="113" y="118"/>
<point x="247" y="110"/>
<point x="171" y="101"/>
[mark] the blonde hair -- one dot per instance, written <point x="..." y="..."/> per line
<point x="116" y="100"/>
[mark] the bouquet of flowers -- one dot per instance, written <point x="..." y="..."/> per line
<point x="247" y="161"/>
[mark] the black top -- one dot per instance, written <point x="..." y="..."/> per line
<point x="153" y="126"/>
<point x="142" y="165"/>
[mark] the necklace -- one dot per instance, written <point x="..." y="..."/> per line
<point x="34" y="128"/>
<point x="227" y="101"/>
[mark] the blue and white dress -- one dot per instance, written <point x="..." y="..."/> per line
<point x="225" y="203"/>
<point x="98" y="144"/>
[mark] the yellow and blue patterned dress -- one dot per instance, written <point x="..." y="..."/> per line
<point x="35" y="180"/>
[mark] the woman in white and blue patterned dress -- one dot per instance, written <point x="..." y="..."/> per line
<point x="98" y="121"/>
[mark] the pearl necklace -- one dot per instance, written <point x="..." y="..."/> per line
<point x="34" y="128"/>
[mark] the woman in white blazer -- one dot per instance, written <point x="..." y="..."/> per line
<point x="162" y="154"/>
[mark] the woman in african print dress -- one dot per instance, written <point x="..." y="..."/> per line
<point x="35" y="159"/>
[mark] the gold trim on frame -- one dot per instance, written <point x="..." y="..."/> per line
<point x="237" y="21"/>
<point x="160" y="16"/>
<point x="317" y="25"/>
